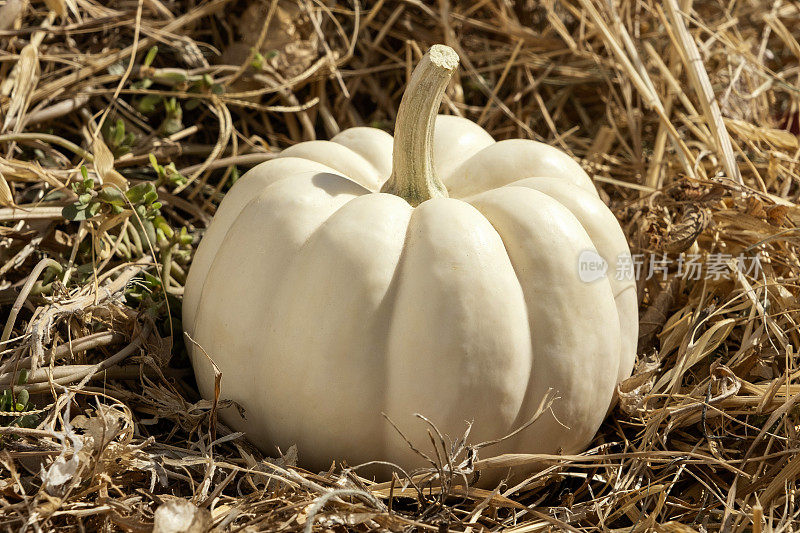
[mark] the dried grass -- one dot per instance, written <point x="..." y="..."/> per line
<point x="686" y="114"/>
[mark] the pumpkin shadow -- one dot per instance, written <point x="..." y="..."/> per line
<point x="336" y="184"/>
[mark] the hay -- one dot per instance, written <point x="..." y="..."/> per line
<point x="685" y="114"/>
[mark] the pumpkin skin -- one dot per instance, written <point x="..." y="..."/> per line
<point x="325" y="303"/>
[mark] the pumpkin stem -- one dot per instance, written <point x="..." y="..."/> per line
<point x="413" y="175"/>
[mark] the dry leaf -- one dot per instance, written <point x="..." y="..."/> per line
<point x="684" y="233"/>
<point x="674" y="527"/>
<point x="755" y="207"/>
<point x="10" y="12"/>
<point x="654" y="318"/>
<point x="104" y="165"/>
<point x="776" y="214"/>
<point x="633" y="391"/>
<point x="113" y="177"/>
<point x="103" y="158"/>
<point x="6" y="198"/>
<point x="102" y="428"/>
<point x="62" y="470"/>
<point x="25" y="76"/>
<point x="59" y="6"/>
<point x="777" y="138"/>
<point x="181" y="516"/>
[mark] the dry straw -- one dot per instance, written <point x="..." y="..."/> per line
<point x="685" y="113"/>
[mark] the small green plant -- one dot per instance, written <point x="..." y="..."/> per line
<point x="167" y="175"/>
<point x="148" y="220"/>
<point x="259" y="59"/>
<point x="150" y="57"/>
<point x="148" y="103"/>
<point x="147" y="80"/>
<point x="173" y="122"/>
<point x="175" y="78"/>
<point x="235" y="175"/>
<point x="117" y="139"/>
<point x="87" y="205"/>
<point x="142" y="198"/>
<point x="18" y="403"/>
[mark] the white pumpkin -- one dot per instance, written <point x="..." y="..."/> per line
<point x="453" y="293"/>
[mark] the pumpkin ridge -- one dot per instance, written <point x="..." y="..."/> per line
<point x="510" y="160"/>
<point x="598" y="221"/>
<point x="456" y="139"/>
<point x="343" y="350"/>
<point x="373" y="144"/>
<point x="341" y="158"/>
<point x="266" y="190"/>
<point x="390" y="301"/>
<point x="217" y="232"/>
<point x="549" y="310"/>
<point x="213" y="329"/>
<point x="516" y="422"/>
<point x="458" y="345"/>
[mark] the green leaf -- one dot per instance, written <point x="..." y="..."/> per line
<point x="70" y="212"/>
<point x="184" y="238"/>
<point x="152" y="280"/>
<point x="258" y="60"/>
<point x="147" y="232"/>
<point x="171" y="126"/>
<point x="22" y="399"/>
<point x="137" y="193"/>
<point x="77" y="212"/>
<point x="93" y="208"/>
<point x="22" y="377"/>
<point x="54" y="195"/>
<point x="151" y="56"/>
<point x="5" y="400"/>
<point x="173" y="121"/>
<point x="85" y="269"/>
<point x="28" y="421"/>
<point x="112" y="195"/>
<point x="118" y="133"/>
<point x="150" y="196"/>
<point x="50" y="274"/>
<point x="161" y="223"/>
<point x="148" y="103"/>
<point x="171" y="78"/>
<point x="172" y="175"/>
